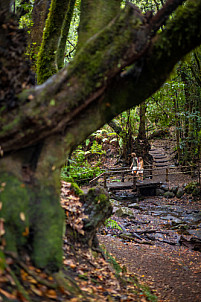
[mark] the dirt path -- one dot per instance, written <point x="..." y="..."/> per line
<point x="175" y="274"/>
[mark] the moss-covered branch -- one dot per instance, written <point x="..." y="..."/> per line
<point x="93" y="89"/>
<point x="90" y="20"/>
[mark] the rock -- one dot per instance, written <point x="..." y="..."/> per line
<point x="98" y="208"/>
<point x="174" y="189"/>
<point x="169" y="194"/>
<point x="159" y="192"/>
<point x="114" y="202"/>
<point x="172" y="219"/>
<point x="165" y="188"/>
<point x="196" y="233"/>
<point x="196" y="192"/>
<point x="194" y="243"/>
<point x="134" y="206"/>
<point x="180" y="192"/>
<point x="124" y="211"/>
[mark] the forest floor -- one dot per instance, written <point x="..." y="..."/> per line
<point x="155" y="240"/>
<point x="157" y="255"/>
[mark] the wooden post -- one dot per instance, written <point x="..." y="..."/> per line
<point x="122" y="178"/>
<point x="105" y="176"/>
<point x="166" y="174"/>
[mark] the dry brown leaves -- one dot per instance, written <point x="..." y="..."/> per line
<point x="73" y="207"/>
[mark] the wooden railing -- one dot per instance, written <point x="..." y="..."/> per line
<point x="149" y="173"/>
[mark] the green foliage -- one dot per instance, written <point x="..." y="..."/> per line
<point x="112" y="224"/>
<point x="146" y="5"/>
<point x="79" y="167"/>
<point x="26" y="19"/>
<point x="113" y="262"/>
<point x="191" y="187"/>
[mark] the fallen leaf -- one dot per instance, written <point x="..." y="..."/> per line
<point x="26" y="232"/>
<point x="51" y="294"/>
<point x="6" y="294"/>
<point x="36" y="291"/>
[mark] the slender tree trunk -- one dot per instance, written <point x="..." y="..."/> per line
<point x="64" y="35"/>
<point x="142" y="129"/>
<point x="39" y="16"/>
<point x="47" y="63"/>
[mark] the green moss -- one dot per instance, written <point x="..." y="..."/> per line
<point x="14" y="196"/>
<point x="101" y="53"/>
<point x="191" y="187"/>
<point x="46" y="64"/>
<point x="32" y="216"/>
<point x="101" y="198"/>
<point x="47" y="217"/>
<point x="76" y="189"/>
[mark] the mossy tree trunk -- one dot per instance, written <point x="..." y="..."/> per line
<point x="30" y="190"/>
<point x="47" y="63"/>
<point x="39" y="16"/>
<point x="48" y="121"/>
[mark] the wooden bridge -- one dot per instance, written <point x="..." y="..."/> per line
<point x="154" y="175"/>
<point x="122" y="179"/>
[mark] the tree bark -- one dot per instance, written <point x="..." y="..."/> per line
<point x="142" y="130"/>
<point x="90" y="21"/>
<point x="39" y="16"/>
<point x="30" y="190"/>
<point x="47" y="63"/>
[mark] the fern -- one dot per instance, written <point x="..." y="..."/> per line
<point x="112" y="224"/>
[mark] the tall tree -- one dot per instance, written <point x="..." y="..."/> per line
<point x="46" y="122"/>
